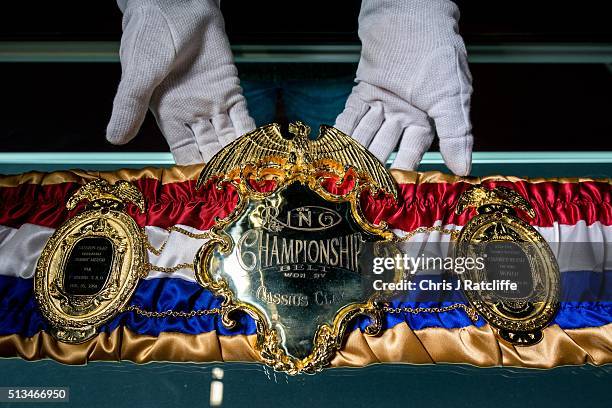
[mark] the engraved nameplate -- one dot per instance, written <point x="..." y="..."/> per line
<point x="88" y="266"/>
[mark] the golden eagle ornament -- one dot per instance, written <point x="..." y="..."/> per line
<point x="332" y="154"/>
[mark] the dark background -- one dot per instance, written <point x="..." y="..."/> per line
<point x="275" y="21"/>
<point x="521" y="107"/>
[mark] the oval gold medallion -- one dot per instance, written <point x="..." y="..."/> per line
<point x="516" y="289"/>
<point x="91" y="264"/>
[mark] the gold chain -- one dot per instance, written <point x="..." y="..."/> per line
<point x="156" y="251"/>
<point x="173" y="313"/>
<point x="416" y="310"/>
<point x="453" y="233"/>
<point x="151" y="248"/>
<point x="394" y="310"/>
<point x="170" y="269"/>
<point x="207" y="312"/>
<point x="206" y="235"/>
<point x="203" y="235"/>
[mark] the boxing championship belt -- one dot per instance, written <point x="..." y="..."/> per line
<point x="268" y="252"/>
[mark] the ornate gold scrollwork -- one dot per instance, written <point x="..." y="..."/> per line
<point x="89" y="267"/>
<point x="513" y="249"/>
<point x="266" y="154"/>
<point x="251" y="258"/>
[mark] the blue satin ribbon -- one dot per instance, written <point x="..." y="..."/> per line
<point x="19" y="312"/>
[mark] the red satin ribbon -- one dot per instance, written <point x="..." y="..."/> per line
<point x="418" y="205"/>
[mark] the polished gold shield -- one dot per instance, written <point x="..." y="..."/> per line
<point x="91" y="264"/>
<point x="513" y="251"/>
<point x="296" y="253"/>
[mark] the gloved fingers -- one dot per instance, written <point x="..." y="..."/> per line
<point x="182" y="142"/>
<point x="242" y="121"/>
<point x="455" y="133"/>
<point x="457" y="154"/>
<point x="369" y="124"/>
<point x="146" y="56"/>
<point x="207" y="134"/>
<point x="451" y="114"/>
<point x="386" y="139"/>
<point x="416" y="140"/>
<point x="352" y="114"/>
<point x="226" y="133"/>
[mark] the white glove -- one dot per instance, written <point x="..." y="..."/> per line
<point x="413" y="71"/>
<point x="176" y="59"/>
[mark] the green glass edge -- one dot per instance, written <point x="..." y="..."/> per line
<point x="164" y="159"/>
<point x="503" y="53"/>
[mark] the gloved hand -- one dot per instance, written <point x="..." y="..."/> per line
<point x="413" y="73"/>
<point x="176" y="60"/>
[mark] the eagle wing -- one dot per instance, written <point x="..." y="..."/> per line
<point x="253" y="147"/>
<point x="126" y="191"/>
<point x="515" y="199"/>
<point x="473" y="197"/>
<point x="98" y="189"/>
<point x="339" y="147"/>
<point x="478" y="196"/>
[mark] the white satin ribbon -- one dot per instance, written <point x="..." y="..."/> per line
<point x="21" y="247"/>
<point x="590" y="252"/>
<point x="178" y="249"/>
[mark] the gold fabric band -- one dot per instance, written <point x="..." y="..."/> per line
<point x="165" y="175"/>
<point x="477" y="346"/>
<point x="400" y="344"/>
<point x="183" y="173"/>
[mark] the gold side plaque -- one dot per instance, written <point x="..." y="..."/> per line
<point x="513" y="251"/>
<point x="89" y="267"/>
<point x="296" y="254"/>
